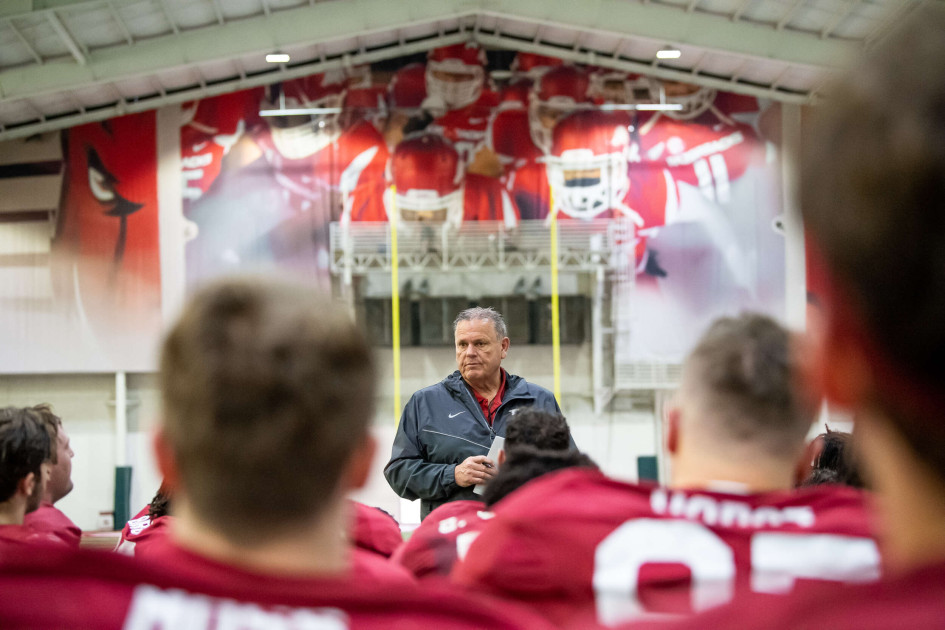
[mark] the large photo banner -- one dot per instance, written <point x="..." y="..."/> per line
<point x="432" y="142"/>
<point x="80" y="284"/>
<point x="459" y="135"/>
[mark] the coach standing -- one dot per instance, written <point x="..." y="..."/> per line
<point x="447" y="429"/>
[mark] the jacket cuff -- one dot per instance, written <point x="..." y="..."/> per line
<point x="450" y="478"/>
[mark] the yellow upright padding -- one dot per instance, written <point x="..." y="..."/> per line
<point x="395" y="301"/>
<point x="555" y="315"/>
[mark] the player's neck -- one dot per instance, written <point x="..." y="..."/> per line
<point x="910" y="496"/>
<point x="699" y="472"/>
<point x="12" y="511"/>
<point x="317" y="549"/>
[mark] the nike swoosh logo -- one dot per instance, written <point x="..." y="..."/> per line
<point x="453" y="415"/>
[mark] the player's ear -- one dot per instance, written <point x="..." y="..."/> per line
<point x="505" y="346"/>
<point x="26" y="485"/>
<point x="500" y="458"/>
<point x="359" y="466"/>
<point x="165" y="459"/>
<point x="673" y="416"/>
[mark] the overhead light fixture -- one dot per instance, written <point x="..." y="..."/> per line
<point x="277" y="58"/>
<point x="668" y="53"/>
<point x="642" y="107"/>
<point x="300" y="111"/>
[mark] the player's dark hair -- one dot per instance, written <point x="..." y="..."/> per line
<point x="24" y="446"/>
<point x="836" y="462"/>
<point x="161" y="503"/>
<point x="744" y="372"/>
<point x="873" y="203"/>
<point x="52" y="422"/>
<point x="268" y="388"/>
<point x="526" y="463"/>
<point x="537" y="428"/>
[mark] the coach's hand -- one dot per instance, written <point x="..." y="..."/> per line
<point x="474" y="470"/>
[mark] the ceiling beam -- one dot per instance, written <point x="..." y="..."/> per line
<point x="223" y="87"/>
<point x="666" y="24"/>
<point x="24" y="41"/>
<point x="66" y="38"/>
<point x="346" y="19"/>
<point x="323" y="22"/>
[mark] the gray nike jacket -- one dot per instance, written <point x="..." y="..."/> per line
<point x="441" y="426"/>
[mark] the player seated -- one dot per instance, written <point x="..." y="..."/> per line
<point x="375" y="530"/>
<point x="583" y="549"/>
<point x="834" y="460"/>
<point x="447" y="531"/>
<point x="47" y="519"/>
<point x="149" y="528"/>
<point x="25" y="445"/>
<point x="268" y="390"/>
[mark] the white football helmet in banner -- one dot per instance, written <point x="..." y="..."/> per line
<point x="428" y="178"/>
<point x="615" y="86"/>
<point x="695" y="99"/>
<point x="455" y="74"/>
<point x="588" y="165"/>
<point x="298" y="137"/>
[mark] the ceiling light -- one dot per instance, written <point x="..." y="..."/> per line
<point x="668" y="53"/>
<point x="277" y="58"/>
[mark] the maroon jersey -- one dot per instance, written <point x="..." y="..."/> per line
<point x="142" y="535"/>
<point x="97" y="591"/>
<point x="710" y="158"/>
<point x="210" y="127"/>
<point x="375" y="530"/>
<point x="443" y="535"/>
<point x="485" y="199"/>
<point x="49" y="520"/>
<point x="509" y="137"/>
<point x="466" y="127"/>
<point x="912" y="600"/>
<point x="579" y="546"/>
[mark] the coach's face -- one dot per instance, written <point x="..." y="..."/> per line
<point x="479" y="351"/>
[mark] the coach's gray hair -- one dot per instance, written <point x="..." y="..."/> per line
<point x="478" y="312"/>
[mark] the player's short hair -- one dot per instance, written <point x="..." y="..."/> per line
<point x="52" y="422"/>
<point x="836" y="462"/>
<point x="537" y="428"/>
<point x="268" y="388"/>
<point x="526" y="463"/>
<point x="478" y="312"/>
<point x="24" y="446"/>
<point x="743" y="374"/>
<point x="873" y="202"/>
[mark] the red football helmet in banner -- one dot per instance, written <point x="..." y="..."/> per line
<point x="455" y="74"/>
<point x="408" y="87"/>
<point x="428" y="176"/>
<point x="533" y="65"/>
<point x="558" y="92"/>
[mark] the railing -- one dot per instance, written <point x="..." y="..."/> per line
<point x="360" y="248"/>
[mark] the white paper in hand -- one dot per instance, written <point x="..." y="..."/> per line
<point x="498" y="444"/>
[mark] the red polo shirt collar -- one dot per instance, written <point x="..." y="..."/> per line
<point x="490" y="407"/>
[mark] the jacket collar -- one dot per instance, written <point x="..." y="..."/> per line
<point x="515" y="386"/>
